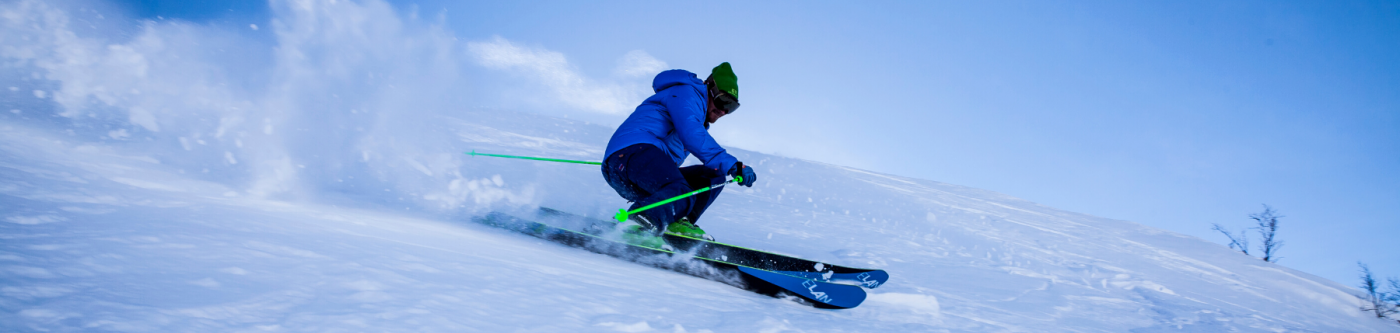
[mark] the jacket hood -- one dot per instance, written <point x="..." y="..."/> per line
<point x="675" y="77"/>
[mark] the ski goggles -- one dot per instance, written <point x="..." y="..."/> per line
<point x="723" y="100"/>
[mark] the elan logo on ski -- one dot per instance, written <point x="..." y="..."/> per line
<point x="817" y="295"/>
<point x="866" y="281"/>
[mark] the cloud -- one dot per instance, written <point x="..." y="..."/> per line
<point x="639" y="64"/>
<point x="552" y="69"/>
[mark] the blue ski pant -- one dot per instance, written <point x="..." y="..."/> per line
<point x="645" y="174"/>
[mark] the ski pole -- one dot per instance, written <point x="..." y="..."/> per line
<point x="474" y="153"/>
<point x="623" y="213"/>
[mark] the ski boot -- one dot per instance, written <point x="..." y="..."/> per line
<point x="639" y="231"/>
<point x="685" y="228"/>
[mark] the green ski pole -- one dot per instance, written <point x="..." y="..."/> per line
<point x="474" y="153"/>
<point x="623" y="213"/>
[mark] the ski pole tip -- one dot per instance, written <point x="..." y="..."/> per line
<point x="621" y="215"/>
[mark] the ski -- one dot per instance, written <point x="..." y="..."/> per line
<point x="788" y="265"/>
<point x="819" y="294"/>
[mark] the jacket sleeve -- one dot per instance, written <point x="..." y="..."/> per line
<point x="688" y="117"/>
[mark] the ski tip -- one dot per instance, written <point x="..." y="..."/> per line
<point x="873" y="279"/>
<point x="821" y="294"/>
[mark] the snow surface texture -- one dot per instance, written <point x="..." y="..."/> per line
<point x="142" y="190"/>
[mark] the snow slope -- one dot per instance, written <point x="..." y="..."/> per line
<point x="191" y="204"/>
<point x="99" y="238"/>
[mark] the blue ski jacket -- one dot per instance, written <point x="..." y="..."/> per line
<point x="674" y="120"/>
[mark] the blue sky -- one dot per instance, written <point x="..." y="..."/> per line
<point x="1176" y="115"/>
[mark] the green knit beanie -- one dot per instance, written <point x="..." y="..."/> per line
<point x="725" y="80"/>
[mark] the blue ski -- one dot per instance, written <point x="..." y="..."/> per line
<point x="818" y="293"/>
<point x="789" y="265"/>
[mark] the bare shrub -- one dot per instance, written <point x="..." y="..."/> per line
<point x="1381" y="303"/>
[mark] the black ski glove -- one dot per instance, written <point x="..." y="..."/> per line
<point x="744" y="173"/>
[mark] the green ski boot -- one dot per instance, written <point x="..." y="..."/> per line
<point x="685" y="228"/>
<point x="639" y="231"/>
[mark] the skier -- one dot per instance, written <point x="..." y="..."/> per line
<point x="643" y="157"/>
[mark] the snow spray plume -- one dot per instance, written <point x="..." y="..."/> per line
<point x="337" y="98"/>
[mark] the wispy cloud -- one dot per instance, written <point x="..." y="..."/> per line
<point x="639" y="64"/>
<point x="552" y="69"/>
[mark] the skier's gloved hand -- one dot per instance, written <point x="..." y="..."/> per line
<point x="744" y="172"/>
